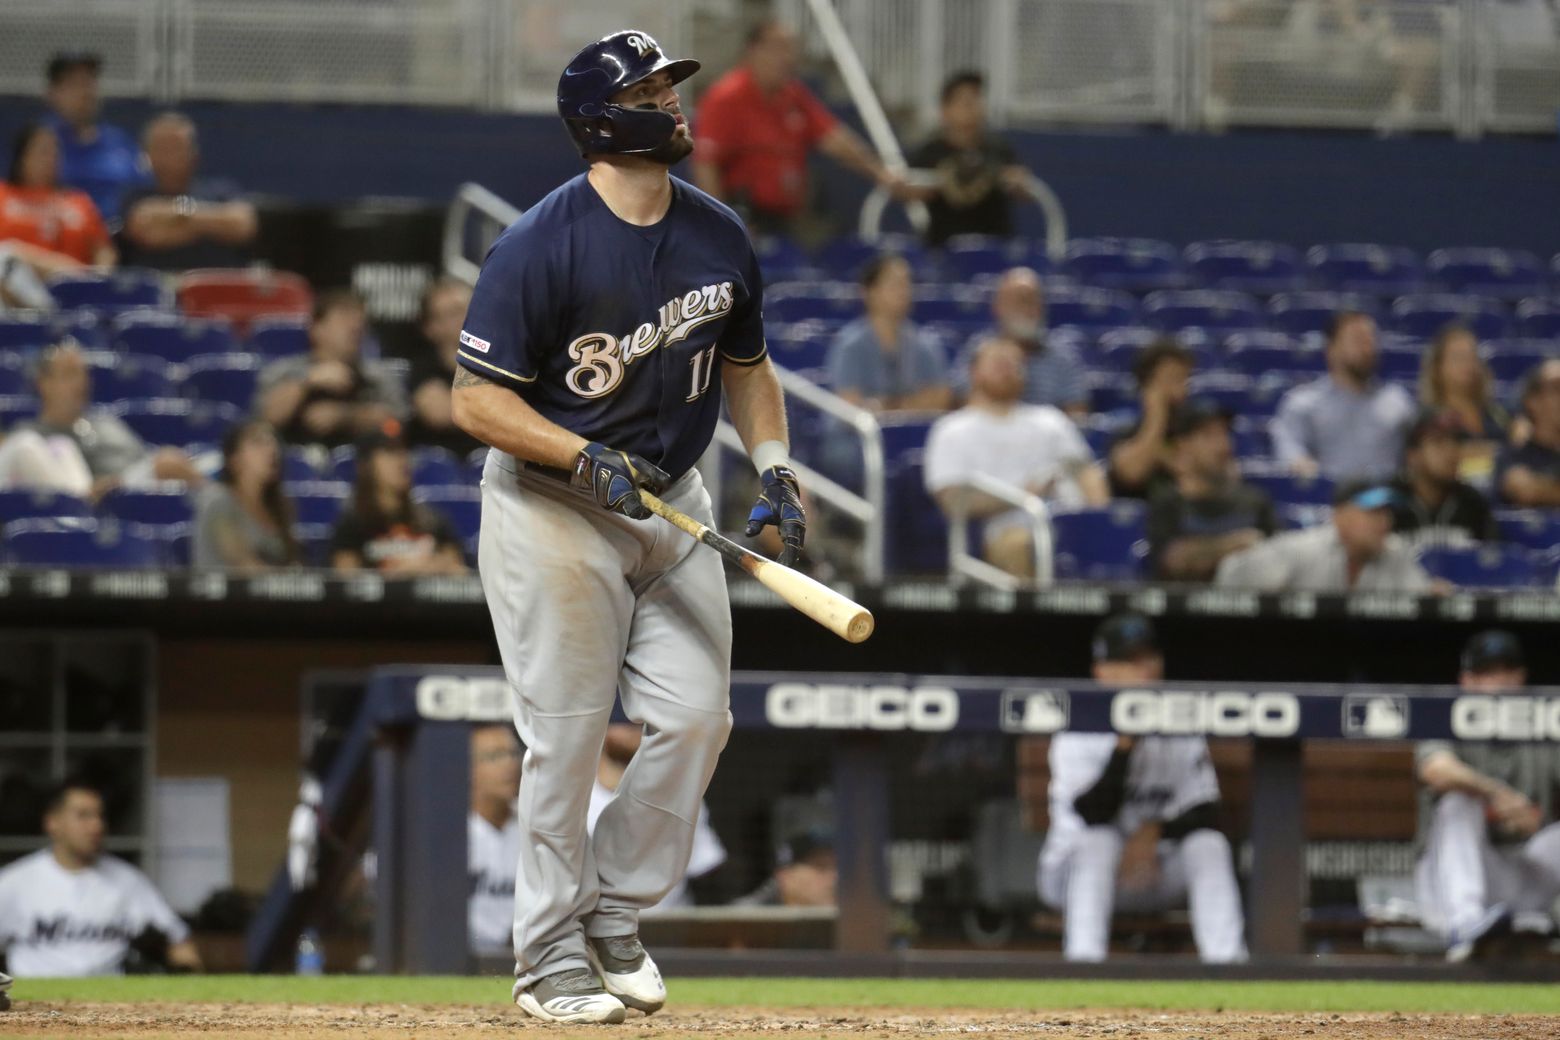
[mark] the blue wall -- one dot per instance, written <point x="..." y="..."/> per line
<point x="1290" y="186"/>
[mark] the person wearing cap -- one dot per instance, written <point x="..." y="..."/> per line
<point x="1528" y="474"/>
<point x="1347" y="424"/>
<point x="101" y="159"/>
<point x="806" y="873"/>
<point x="382" y="529"/>
<point x="1209" y="513"/>
<point x="1490" y="849"/>
<point x="1434" y="507"/>
<point x="1355" y="550"/>
<point x="1139" y="459"/>
<point x="1134" y="821"/>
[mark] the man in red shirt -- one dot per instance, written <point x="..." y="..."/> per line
<point x="755" y="128"/>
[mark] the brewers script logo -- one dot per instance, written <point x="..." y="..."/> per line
<point x="600" y="358"/>
<point x="643" y="44"/>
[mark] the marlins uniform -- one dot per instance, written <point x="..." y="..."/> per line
<point x="491" y="854"/>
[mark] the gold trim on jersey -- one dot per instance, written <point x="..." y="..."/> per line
<point x="500" y="371"/>
<point x="762" y="354"/>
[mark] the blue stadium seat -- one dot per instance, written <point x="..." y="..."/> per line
<point x="844" y="257"/>
<point x="1133" y="264"/>
<point x="1263" y="268"/>
<point x="77" y="542"/>
<point x="917" y="541"/>
<point x="22" y="504"/>
<point x="437" y="467"/>
<point x="171" y="336"/>
<point x="1110" y="392"/>
<point x="16" y="407"/>
<point x="120" y="377"/>
<point x="1533" y="528"/>
<point x="1539" y="318"/>
<point x="462" y="503"/>
<point x="1511" y="359"/>
<point x="1230" y="390"/>
<point x="1300" y="312"/>
<point x="903" y="434"/>
<point x="224" y="378"/>
<point x="1251" y="438"/>
<point x="1283" y="486"/>
<point x="1117" y="349"/>
<point x="175" y="421"/>
<point x="25" y="331"/>
<point x="1297" y="515"/>
<point x="343" y="464"/>
<point x="318" y="501"/>
<point x="780" y="258"/>
<point x="1508" y="274"/>
<point x="1106" y="544"/>
<point x="87" y="328"/>
<point x="1366" y="267"/>
<point x="158" y="507"/>
<point x="954" y="305"/>
<point x="314" y="542"/>
<point x="14" y="379"/>
<point x="1213" y="310"/>
<point x="983" y="256"/>
<point x="805" y="301"/>
<point x="126" y="288"/>
<point x="1089" y="308"/>
<point x="298" y="465"/>
<point x="1260" y="351"/>
<point x="1489" y="566"/>
<point x="1396" y="363"/>
<point x="1424" y="314"/>
<point x="274" y="338"/>
<point x="801" y="344"/>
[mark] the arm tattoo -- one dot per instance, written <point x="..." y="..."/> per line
<point x="466" y="377"/>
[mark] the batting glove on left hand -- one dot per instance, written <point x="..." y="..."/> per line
<point x="780" y="503"/>
<point x="615" y="478"/>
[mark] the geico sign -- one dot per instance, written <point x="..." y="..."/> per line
<point x="925" y="709"/>
<point x="450" y="698"/>
<point x="1213" y="713"/>
<point x="1504" y="717"/>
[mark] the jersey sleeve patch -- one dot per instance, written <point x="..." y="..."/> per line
<point x="476" y="343"/>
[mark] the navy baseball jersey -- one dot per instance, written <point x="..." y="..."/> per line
<point x="617" y="332"/>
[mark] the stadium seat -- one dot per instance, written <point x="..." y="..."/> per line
<point x="1231" y="391"/>
<point x="126" y="288"/>
<point x="904" y="433"/>
<point x="1089" y="308"/>
<point x="845" y="256"/>
<point x="1424" y="314"/>
<point x="1105" y="544"/>
<point x="14" y="408"/>
<point x="1489" y="566"/>
<point x="1117" y="349"/>
<point x="156" y="507"/>
<point x="1110" y="392"/>
<point x="175" y="421"/>
<point x="1533" y="528"/>
<point x="917" y="542"/>
<point x="1396" y="363"/>
<point x="953" y="305"/>
<point x="79" y="542"/>
<point x="1539" y="317"/>
<point x="170" y="336"/>
<point x="1508" y="274"/>
<point x="1216" y="311"/>
<point x="1263" y="268"/>
<point x="780" y="258"/>
<point x="1259" y="351"/>
<point x="475" y="463"/>
<point x="318" y="501"/>
<point x="801" y="345"/>
<point x="1284" y="486"/>
<point x="1366" y="268"/>
<point x="343" y="464"/>
<point x="119" y="377"/>
<point x="838" y="301"/>
<point x="25" y="331"/>
<point x="244" y="295"/>
<point x="273" y="338"/>
<point x="314" y="542"/>
<point x="91" y="330"/>
<point x="1251" y="440"/>
<point x="22" y="504"/>
<point x="1297" y="515"/>
<point x="1512" y="359"/>
<point x="298" y="465"/>
<point x="223" y="378"/>
<point x="970" y="257"/>
<point x="462" y="503"/>
<point x="433" y="467"/>
<point x="1300" y="312"/>
<point x="14" y="379"/>
<point x="1133" y="264"/>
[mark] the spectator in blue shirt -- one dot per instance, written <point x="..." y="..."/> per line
<point x="1528" y="474"/>
<point x="98" y="158"/>
<point x="1053" y="372"/>
<point x="177" y="222"/>
<point x="882" y="361"/>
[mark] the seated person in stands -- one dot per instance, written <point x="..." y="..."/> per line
<point x="1491" y="847"/>
<point x="51" y="229"/>
<point x="243" y="519"/>
<point x="1210" y="513"/>
<point x="382" y="529"/>
<point x="1528" y="474"/>
<point x="806" y="873"/>
<point x="329" y="395"/>
<point x="177" y="223"/>
<point x="1134" y="821"/>
<point x="1355" y="550"/>
<point x="1054" y="372"/>
<point x="1139" y="460"/>
<point x="492" y="840"/>
<point x="439" y="316"/>
<point x="78" y="450"/>
<point x="1347" y="424"/>
<point x="1454" y="379"/>
<point x="1433" y="506"/>
<point x="1032" y="447"/>
<point x="98" y="158"/>
<point x="882" y="361"/>
<point x="71" y="909"/>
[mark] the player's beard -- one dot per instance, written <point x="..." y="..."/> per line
<point x="673" y="150"/>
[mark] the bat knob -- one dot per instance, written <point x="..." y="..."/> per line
<point x="860" y="627"/>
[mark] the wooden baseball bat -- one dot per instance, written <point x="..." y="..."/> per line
<point x="849" y="620"/>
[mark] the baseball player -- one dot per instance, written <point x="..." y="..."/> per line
<point x="1490" y="860"/>
<point x="492" y="839"/>
<point x="1133" y="821"/>
<point x="604" y="328"/>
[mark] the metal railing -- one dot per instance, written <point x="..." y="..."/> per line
<point x="965" y="566"/>
<point x="869" y="226"/>
<point x="476" y="218"/>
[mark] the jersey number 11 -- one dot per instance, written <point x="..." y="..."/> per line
<point x="703" y="365"/>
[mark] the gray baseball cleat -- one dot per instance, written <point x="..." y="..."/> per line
<point x="574" y="995"/>
<point x="627" y="972"/>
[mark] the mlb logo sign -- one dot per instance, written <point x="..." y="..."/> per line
<point x="1034" y="711"/>
<point x="1375" y="717"/>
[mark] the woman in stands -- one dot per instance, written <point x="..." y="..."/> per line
<point x="244" y="521"/>
<point x="382" y="529"/>
<point x="1453" y="378"/>
<point x="51" y="229"/>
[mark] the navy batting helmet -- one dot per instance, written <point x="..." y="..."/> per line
<point x="601" y="70"/>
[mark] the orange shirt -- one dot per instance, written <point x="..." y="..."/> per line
<point x="60" y="219"/>
<point x="760" y="141"/>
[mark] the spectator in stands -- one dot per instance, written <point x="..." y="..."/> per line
<point x="1433" y="507"/>
<point x="382" y="529"/>
<point x="806" y="873"/>
<point x="1139" y="464"/>
<point x="755" y="128"/>
<point x="492" y="840"/>
<point x="439" y="316"/>
<point x="1210" y="513"/>
<point x="97" y="157"/>
<point x="1031" y="447"/>
<point x="1454" y="379"/>
<point x="1348" y="424"/>
<point x="71" y="909"/>
<point x="53" y="230"/>
<point x="1528" y="474"/>
<point x="1054" y="372"/>
<point x="1356" y="550"/>
<point x="1135" y="821"/>
<point x="882" y="361"/>
<point x="329" y="395"/>
<point x="78" y="450"/>
<point x="176" y="222"/>
<point x="977" y="171"/>
<point x="1491" y="849"/>
<point x="243" y="519"/>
